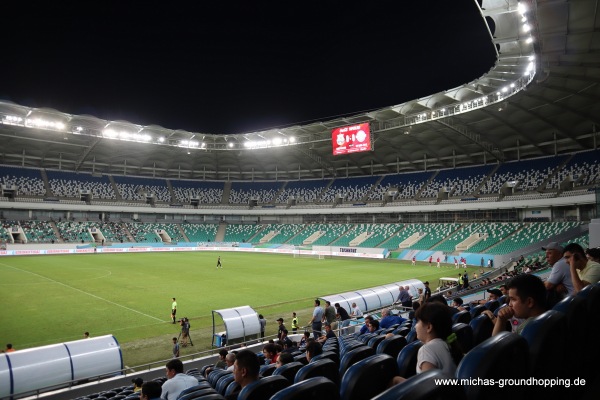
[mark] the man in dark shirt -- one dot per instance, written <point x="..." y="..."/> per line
<point x="427" y="293"/>
<point x="342" y="314"/>
<point x="281" y="328"/>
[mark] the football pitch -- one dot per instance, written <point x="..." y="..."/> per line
<point x="53" y="299"/>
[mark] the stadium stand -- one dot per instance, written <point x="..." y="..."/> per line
<point x="349" y="189"/>
<point x="200" y="232"/>
<point x="302" y="191"/>
<point x="262" y="192"/>
<point x="135" y="189"/>
<point x="70" y="184"/>
<point x="405" y="185"/>
<point x="241" y="232"/>
<point x="458" y="182"/>
<point x="205" y="192"/>
<point x="28" y="181"/>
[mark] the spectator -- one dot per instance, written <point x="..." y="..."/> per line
<point x="404" y="298"/>
<point x="150" y="390"/>
<point x="137" y="385"/>
<point x="313" y="348"/>
<point x="494" y="295"/>
<point x="304" y="340"/>
<point x="177" y="381"/>
<point x="356" y="312"/>
<point x="593" y="254"/>
<point x="558" y="283"/>
<point x="388" y="320"/>
<point x="583" y="271"/>
<point x="329" y="314"/>
<point x="245" y="371"/>
<point x="440" y="348"/>
<point x="271" y="354"/>
<point x="230" y="361"/>
<point x="285" y="341"/>
<point x="343" y="316"/>
<point x="316" y="319"/>
<point x="329" y="333"/>
<point x="527" y="299"/>
<point x="175" y="348"/>
<point x="284" y="358"/>
<point x="457" y="303"/>
<point x="86" y="335"/>
<point x="365" y="327"/>
<point x="373" y="326"/>
<point x="221" y="364"/>
<point x="421" y="295"/>
<point x="294" y="323"/>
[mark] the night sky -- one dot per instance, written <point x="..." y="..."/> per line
<point x="233" y="67"/>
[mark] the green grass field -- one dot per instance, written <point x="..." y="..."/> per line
<point x="52" y="299"/>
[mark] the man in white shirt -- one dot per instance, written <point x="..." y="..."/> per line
<point x="177" y="380"/>
<point x="559" y="279"/>
<point x="356" y="313"/>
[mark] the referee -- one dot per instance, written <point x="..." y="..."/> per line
<point x="173" y="309"/>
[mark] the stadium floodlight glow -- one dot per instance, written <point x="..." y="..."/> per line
<point x="526" y="28"/>
<point x="12" y="120"/>
<point x="292" y="139"/>
<point x="504" y="89"/>
<point x="521" y="8"/>
<point x="531" y="58"/>
<point x="529" y="40"/>
<point x="230" y="144"/>
<point x="161" y="139"/>
<point x="203" y="145"/>
<point x="497" y="93"/>
<point x="44" y="124"/>
<point x="277" y="142"/>
<point x="524" y="19"/>
<point x="512" y="85"/>
<point x="109" y="133"/>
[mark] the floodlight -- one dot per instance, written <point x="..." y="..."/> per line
<point x="292" y="140"/>
<point x="161" y="139"/>
<point x="526" y="28"/>
<point x="521" y="8"/>
<point x="529" y="40"/>
<point x="277" y="141"/>
<point x="230" y="144"/>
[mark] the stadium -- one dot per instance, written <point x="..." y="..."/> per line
<point x="105" y="221"/>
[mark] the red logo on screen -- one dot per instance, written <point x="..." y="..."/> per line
<point x="351" y="139"/>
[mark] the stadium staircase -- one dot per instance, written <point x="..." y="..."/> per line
<point x="484" y="180"/>
<point x="181" y="231"/>
<point x="56" y="232"/>
<point x="46" y="183"/>
<point x="220" y="236"/>
<point x="225" y="199"/>
<point x="117" y="194"/>
<point x="171" y="191"/>
<point x="425" y="184"/>
<point x="561" y="188"/>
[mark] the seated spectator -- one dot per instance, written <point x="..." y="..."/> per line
<point x="416" y="305"/>
<point x="373" y="326"/>
<point x="356" y="312"/>
<point x="583" y="271"/>
<point x="457" y="303"/>
<point x="329" y="333"/>
<point x="527" y="299"/>
<point x="230" y="361"/>
<point x="388" y="319"/>
<point x="559" y="283"/>
<point x="593" y="254"/>
<point x="313" y="348"/>
<point x="150" y="390"/>
<point x="284" y="358"/>
<point x="221" y="364"/>
<point x="440" y="348"/>
<point x="137" y="385"/>
<point x="304" y="340"/>
<point x="271" y="354"/>
<point x="284" y="340"/>
<point x="365" y="327"/>
<point x="245" y="371"/>
<point x="494" y="294"/>
<point x="177" y="381"/>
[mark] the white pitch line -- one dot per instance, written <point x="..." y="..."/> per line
<point x="84" y="292"/>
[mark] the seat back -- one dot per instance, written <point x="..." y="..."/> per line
<point x="482" y="329"/>
<point x="368" y="377"/>
<point x="391" y="346"/>
<point x="327" y="354"/>
<point x="289" y="370"/>
<point x="215" y="375"/>
<point x="199" y="386"/>
<point x="424" y="386"/>
<point x="546" y="335"/>
<point x="353" y="356"/>
<point x="318" y="387"/>
<point x="374" y="342"/>
<point x="267" y="370"/>
<point x="411" y="336"/>
<point x="504" y="355"/>
<point x="463" y="317"/>
<point x="223" y="383"/>
<point x="263" y="388"/>
<point x="407" y="359"/>
<point x="464" y="335"/>
<point x="301" y="358"/>
<point x="324" y="367"/>
<point x="478" y="309"/>
<point x="197" y="393"/>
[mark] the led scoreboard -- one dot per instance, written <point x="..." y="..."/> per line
<point x="351" y="139"/>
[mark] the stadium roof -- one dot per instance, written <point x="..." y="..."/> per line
<point x="540" y="98"/>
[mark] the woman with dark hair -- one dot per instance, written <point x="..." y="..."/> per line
<point x="440" y="348"/>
